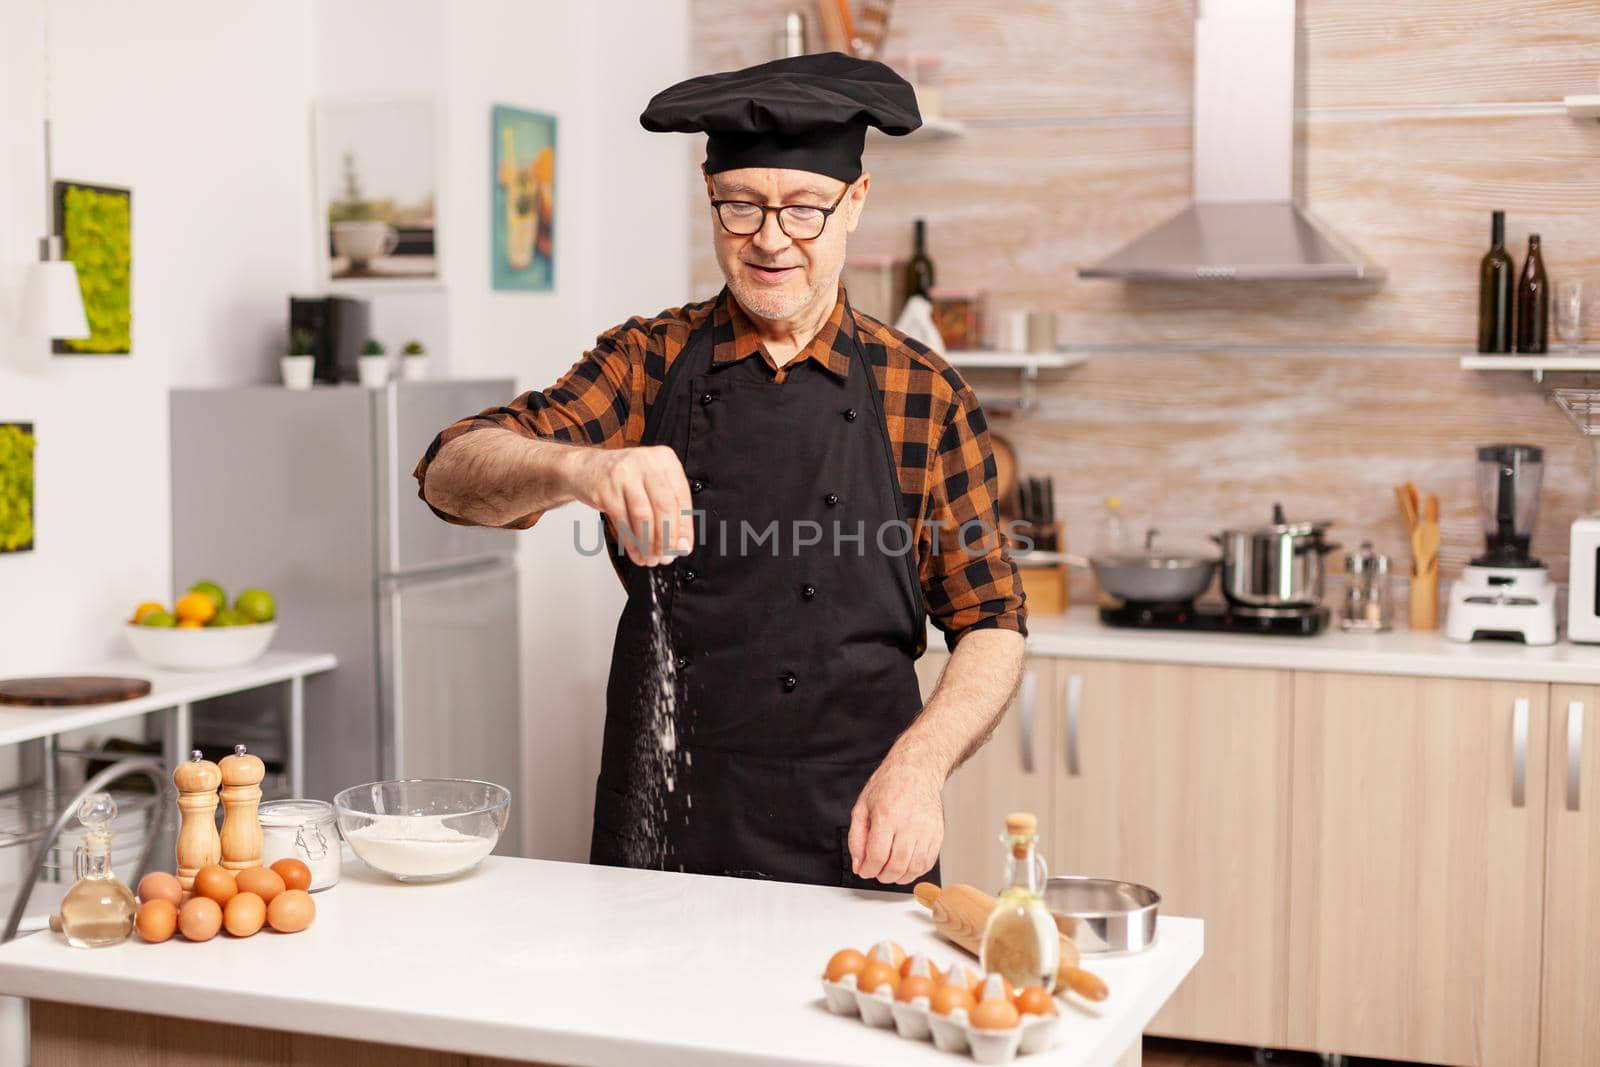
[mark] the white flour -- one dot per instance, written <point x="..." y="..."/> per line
<point x="418" y="846"/>
<point x="658" y="755"/>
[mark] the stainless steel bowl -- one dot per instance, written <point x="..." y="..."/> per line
<point x="1102" y="916"/>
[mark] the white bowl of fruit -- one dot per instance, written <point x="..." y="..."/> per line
<point x="204" y="631"/>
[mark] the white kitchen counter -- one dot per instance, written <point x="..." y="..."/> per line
<point x="1079" y="633"/>
<point x="571" y="964"/>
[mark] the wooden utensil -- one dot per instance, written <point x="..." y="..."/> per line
<point x="1431" y="511"/>
<point x="71" y="690"/>
<point x="1425" y="574"/>
<point x="1415" y="501"/>
<point x="1408" y="512"/>
<point x="960" y="913"/>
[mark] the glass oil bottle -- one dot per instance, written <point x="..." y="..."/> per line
<point x="1021" y="940"/>
<point x="98" y="910"/>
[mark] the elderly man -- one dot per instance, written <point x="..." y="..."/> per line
<point x="843" y="492"/>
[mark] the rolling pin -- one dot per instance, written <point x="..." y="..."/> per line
<point x="960" y="913"/>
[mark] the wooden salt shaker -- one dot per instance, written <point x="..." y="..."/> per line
<point x="241" y="803"/>
<point x="198" y="842"/>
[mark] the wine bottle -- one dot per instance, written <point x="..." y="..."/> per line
<point x="1533" y="302"/>
<point x="919" y="271"/>
<point x="1494" y="291"/>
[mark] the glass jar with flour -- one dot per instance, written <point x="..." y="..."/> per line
<point x="304" y="830"/>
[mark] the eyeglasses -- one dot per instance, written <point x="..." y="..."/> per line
<point x="799" y="222"/>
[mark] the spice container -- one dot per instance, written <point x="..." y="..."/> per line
<point x="305" y="830"/>
<point x="1368" y="603"/>
<point x="958" y="313"/>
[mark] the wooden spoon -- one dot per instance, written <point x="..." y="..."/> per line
<point x="1425" y="546"/>
<point x="1408" y="512"/>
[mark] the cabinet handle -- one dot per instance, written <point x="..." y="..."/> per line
<point x="1574" y="753"/>
<point x="1519" y="753"/>
<point x="1074" y="703"/>
<point x="1030" y="683"/>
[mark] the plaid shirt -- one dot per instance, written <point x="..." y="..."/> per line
<point x="940" y="439"/>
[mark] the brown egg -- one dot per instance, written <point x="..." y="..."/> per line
<point x="216" y="883"/>
<point x="977" y="988"/>
<point x="291" y="911"/>
<point x="264" y="882"/>
<point x="947" y="998"/>
<point x="244" y="914"/>
<point x="892" y="949"/>
<point x="200" y="918"/>
<point x="845" y="961"/>
<point x="157" y="918"/>
<point x="295" y="875"/>
<point x="1035" y="1001"/>
<point x="878" y="974"/>
<point x="914" y="986"/>
<point x="933" y="969"/>
<point x="159" y="885"/>
<point x="995" y="1015"/>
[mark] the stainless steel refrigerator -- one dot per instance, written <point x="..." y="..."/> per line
<point x="310" y="495"/>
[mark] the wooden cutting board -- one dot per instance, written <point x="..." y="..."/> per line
<point x="70" y="690"/>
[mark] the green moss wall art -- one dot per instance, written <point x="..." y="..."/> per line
<point x="96" y="227"/>
<point x="16" y="486"/>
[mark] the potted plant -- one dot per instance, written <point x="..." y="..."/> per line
<point x="373" y="364"/>
<point x="414" y="361"/>
<point x="297" y="366"/>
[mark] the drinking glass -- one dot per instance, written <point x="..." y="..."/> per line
<point x="1569" y="312"/>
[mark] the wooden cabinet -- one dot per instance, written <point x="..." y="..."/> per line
<point x="1417" y="868"/>
<point x="1178" y="777"/>
<point x="1010" y="773"/>
<point x="1570" y="1032"/>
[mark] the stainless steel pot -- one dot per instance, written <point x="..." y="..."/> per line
<point x="1275" y="566"/>
<point x="1152" y="576"/>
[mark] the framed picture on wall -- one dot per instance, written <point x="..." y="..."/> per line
<point x="96" y="227"/>
<point x="16" y="486"/>
<point x="522" y="149"/>
<point x="377" y="187"/>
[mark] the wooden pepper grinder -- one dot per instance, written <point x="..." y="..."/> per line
<point x="198" y="843"/>
<point x="241" y="804"/>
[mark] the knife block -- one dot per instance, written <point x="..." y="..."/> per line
<point x="1047" y="582"/>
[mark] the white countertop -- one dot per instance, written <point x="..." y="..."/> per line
<point x="1080" y="633"/>
<point x="572" y="964"/>
<point x="167" y="689"/>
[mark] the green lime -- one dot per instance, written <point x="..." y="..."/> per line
<point x="212" y="590"/>
<point x="231" y="617"/>
<point x="164" y="619"/>
<point x="256" y="605"/>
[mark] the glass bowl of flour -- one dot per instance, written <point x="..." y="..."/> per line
<point x="423" y="829"/>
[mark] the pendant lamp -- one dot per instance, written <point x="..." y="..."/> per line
<point x="52" y="300"/>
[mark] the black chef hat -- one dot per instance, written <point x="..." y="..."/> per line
<point x="804" y="113"/>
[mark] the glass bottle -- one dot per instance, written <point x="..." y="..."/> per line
<point x="1533" y="302"/>
<point x="1495" y="275"/>
<point x="1021" y="940"/>
<point x="1111" y="539"/>
<point x="919" y="270"/>
<point x="98" y="910"/>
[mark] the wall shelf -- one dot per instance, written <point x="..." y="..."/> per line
<point x="1586" y="362"/>
<point x="1026" y="364"/>
<point x="1583" y="107"/>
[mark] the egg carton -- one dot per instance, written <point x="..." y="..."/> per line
<point x="916" y="1021"/>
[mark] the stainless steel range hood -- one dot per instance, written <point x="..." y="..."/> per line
<point x="1244" y="224"/>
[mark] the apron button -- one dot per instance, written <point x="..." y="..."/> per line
<point x="832" y="500"/>
<point x="696" y="485"/>
<point x="706" y="398"/>
<point x="789" y="681"/>
<point x="849" y="414"/>
<point x="807" y="591"/>
<point x="683" y="663"/>
<point x="689" y="576"/>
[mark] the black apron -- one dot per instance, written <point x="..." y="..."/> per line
<point x="794" y="661"/>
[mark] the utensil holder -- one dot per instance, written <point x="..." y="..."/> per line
<point x="1046" y="581"/>
<point x="1425" y="598"/>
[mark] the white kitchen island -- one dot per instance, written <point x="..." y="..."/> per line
<point x="531" y="961"/>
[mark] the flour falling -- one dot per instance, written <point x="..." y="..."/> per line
<point x="657" y="758"/>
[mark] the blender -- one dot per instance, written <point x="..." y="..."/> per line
<point x="1506" y="593"/>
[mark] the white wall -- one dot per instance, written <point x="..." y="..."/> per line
<point x="203" y="110"/>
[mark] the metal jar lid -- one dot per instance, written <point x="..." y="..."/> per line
<point x="1366" y="561"/>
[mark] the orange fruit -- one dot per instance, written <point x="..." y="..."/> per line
<point x="195" y="607"/>
<point x="147" y="608"/>
<point x="191" y="624"/>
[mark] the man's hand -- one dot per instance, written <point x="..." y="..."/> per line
<point x="644" y="493"/>
<point x="897" y="824"/>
